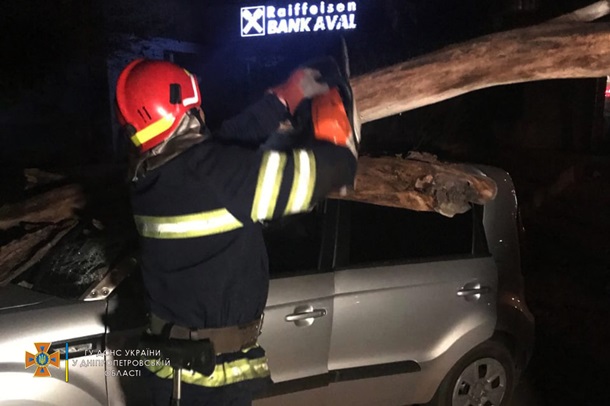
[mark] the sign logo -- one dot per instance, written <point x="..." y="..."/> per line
<point x="298" y="17"/>
<point x="42" y="359"/>
<point x="252" y="21"/>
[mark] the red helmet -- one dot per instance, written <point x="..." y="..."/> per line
<point x="152" y="96"/>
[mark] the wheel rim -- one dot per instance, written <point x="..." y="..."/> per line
<point x="482" y="383"/>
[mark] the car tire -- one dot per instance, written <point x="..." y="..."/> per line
<point x="483" y="377"/>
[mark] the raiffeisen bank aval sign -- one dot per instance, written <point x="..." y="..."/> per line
<point x="298" y="17"/>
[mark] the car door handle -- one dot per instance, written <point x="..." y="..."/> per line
<point x="470" y="292"/>
<point x="78" y="347"/>
<point x="304" y="315"/>
<point x="473" y="291"/>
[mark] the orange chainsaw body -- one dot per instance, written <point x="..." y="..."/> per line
<point x="330" y="121"/>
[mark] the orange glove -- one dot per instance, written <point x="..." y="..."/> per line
<point x="302" y="84"/>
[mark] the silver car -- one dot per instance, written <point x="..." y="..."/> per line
<point x="368" y="305"/>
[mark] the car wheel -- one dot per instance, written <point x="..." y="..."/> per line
<point x="483" y="377"/>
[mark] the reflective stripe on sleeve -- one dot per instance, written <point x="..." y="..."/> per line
<point x="270" y="177"/>
<point x="303" y="182"/>
<point x="187" y="226"/>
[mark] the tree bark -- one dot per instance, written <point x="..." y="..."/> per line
<point x="545" y="51"/>
<point x="420" y="182"/>
<point x="50" y="207"/>
<point x="19" y="255"/>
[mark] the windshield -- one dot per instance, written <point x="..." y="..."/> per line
<point x="77" y="262"/>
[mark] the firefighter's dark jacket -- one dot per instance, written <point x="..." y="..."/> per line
<point x="203" y="256"/>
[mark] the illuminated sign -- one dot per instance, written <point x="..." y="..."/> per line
<point x="298" y="17"/>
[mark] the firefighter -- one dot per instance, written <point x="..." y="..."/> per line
<point x="198" y="201"/>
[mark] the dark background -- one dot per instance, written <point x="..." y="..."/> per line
<point x="56" y="112"/>
<point x="56" y="90"/>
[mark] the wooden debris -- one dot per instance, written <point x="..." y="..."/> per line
<point x="35" y="177"/>
<point x="420" y="182"/>
<point x="20" y="254"/>
<point x="49" y="207"/>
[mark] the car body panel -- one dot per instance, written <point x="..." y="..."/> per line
<point x="20" y="389"/>
<point x="318" y="396"/>
<point x="501" y="220"/>
<point x="382" y="314"/>
<point x="55" y="321"/>
<point x="408" y="388"/>
<point x="14" y="297"/>
<point x="371" y="310"/>
<point x="298" y="351"/>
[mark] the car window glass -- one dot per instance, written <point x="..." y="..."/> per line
<point x="381" y="234"/>
<point x="293" y="242"/>
<point x="78" y="261"/>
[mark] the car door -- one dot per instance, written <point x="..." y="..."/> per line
<point x="408" y="286"/>
<point x="298" y="317"/>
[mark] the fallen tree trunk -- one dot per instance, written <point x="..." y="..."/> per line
<point x="545" y="51"/>
<point x="420" y="183"/>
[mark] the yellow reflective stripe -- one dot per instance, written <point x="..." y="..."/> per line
<point x="187" y="226"/>
<point x="224" y="374"/>
<point x="303" y="181"/>
<point x="268" y="185"/>
<point x="152" y="130"/>
<point x="311" y="181"/>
